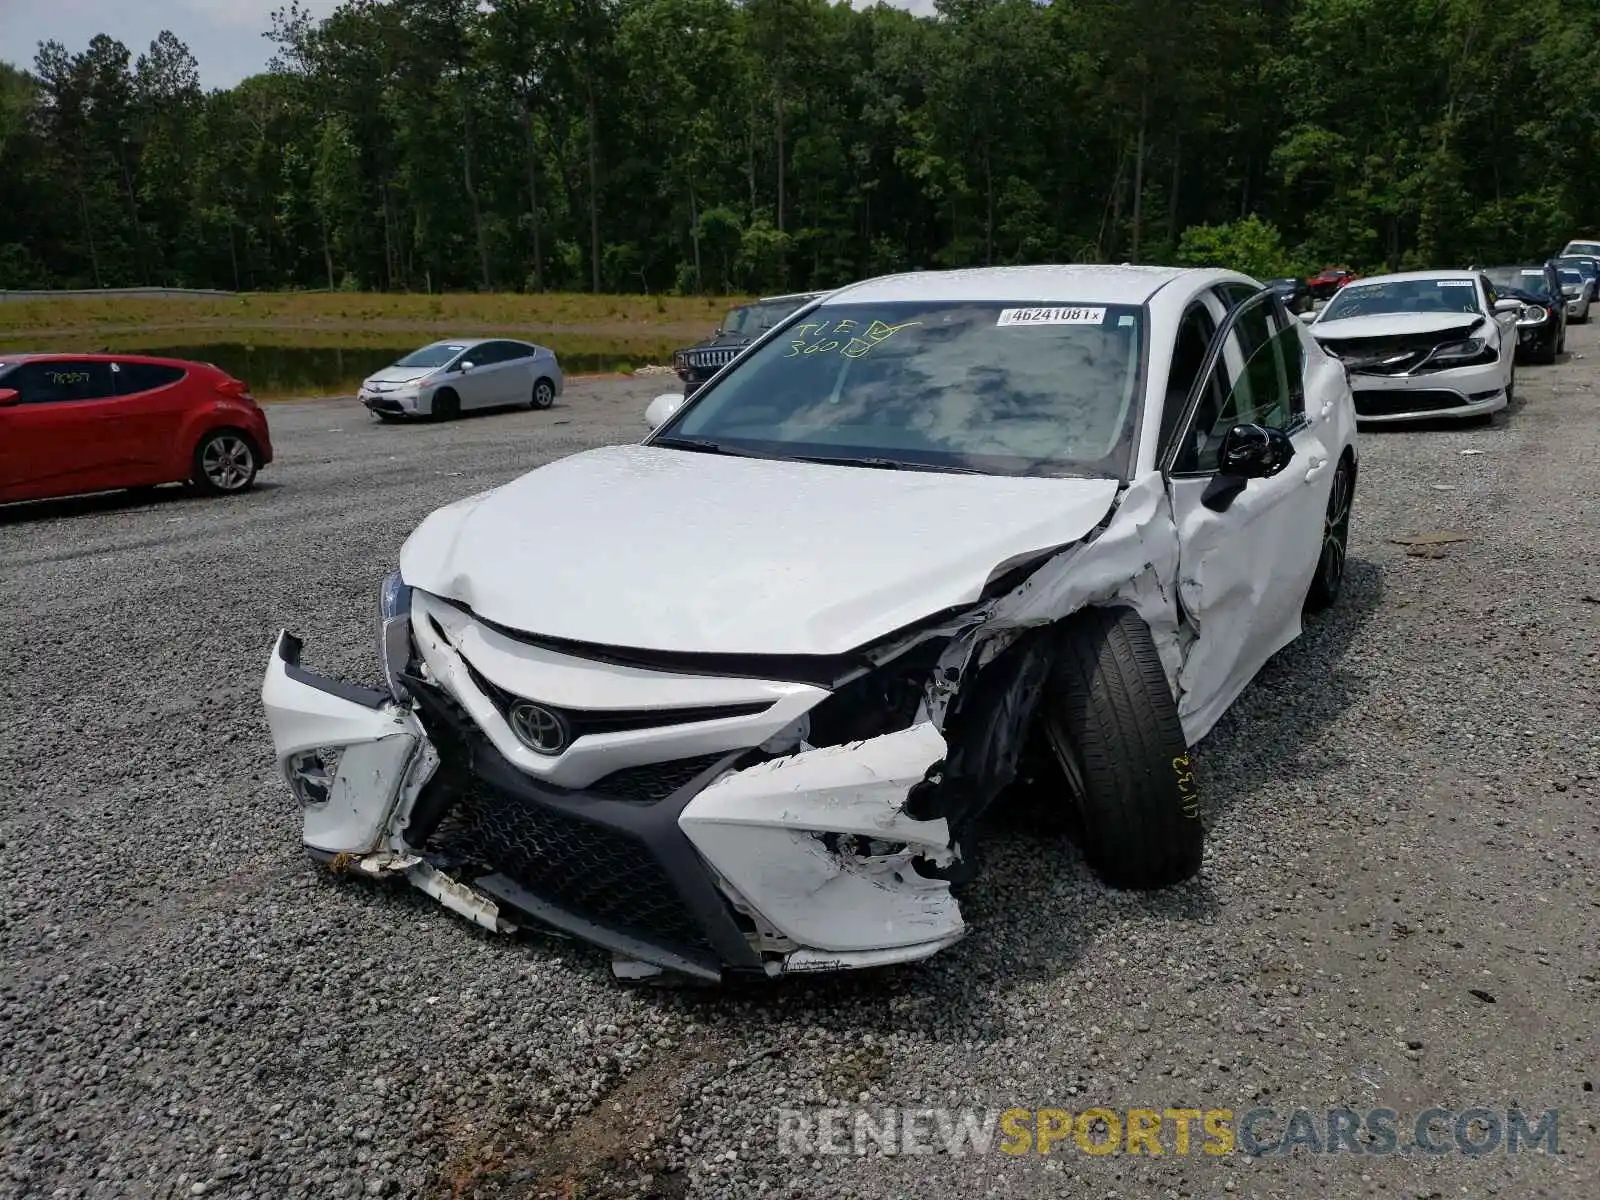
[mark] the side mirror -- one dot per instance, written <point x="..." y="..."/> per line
<point x="466" y="366"/>
<point x="1308" y="315"/>
<point x="9" y="396"/>
<point x="662" y="408"/>
<point x="1507" y="305"/>
<point x="1248" y="452"/>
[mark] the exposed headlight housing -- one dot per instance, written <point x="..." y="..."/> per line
<point x="1463" y="353"/>
<point x="394" y="631"/>
<point x="1533" y="314"/>
<point x="311" y="775"/>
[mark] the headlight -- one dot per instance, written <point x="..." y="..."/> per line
<point x="394" y="631"/>
<point x="1533" y="314"/>
<point x="1459" y="351"/>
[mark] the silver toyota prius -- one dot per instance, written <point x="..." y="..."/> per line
<point x="445" y="379"/>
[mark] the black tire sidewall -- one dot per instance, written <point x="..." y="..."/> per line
<point x="1109" y="704"/>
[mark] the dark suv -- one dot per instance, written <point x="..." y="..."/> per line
<point x="739" y="328"/>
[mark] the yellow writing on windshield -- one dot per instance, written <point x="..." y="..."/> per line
<point x="68" y="378"/>
<point x="846" y="337"/>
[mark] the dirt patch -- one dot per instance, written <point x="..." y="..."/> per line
<point x="619" y="1148"/>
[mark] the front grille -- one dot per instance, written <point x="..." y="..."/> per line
<point x="713" y="359"/>
<point x="592" y="870"/>
<point x="592" y="721"/>
<point x="651" y="782"/>
<point x="1388" y="404"/>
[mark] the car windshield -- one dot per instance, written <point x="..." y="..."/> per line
<point x="753" y="319"/>
<point x="1523" y="279"/>
<point x="1587" y="268"/>
<point x="436" y="355"/>
<point x="1582" y="248"/>
<point x="1571" y="275"/>
<point x="1403" y="296"/>
<point x="989" y="387"/>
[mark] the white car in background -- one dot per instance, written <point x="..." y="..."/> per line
<point x="445" y="379"/>
<point x="740" y="710"/>
<point x="1578" y="291"/>
<point x="1423" y="344"/>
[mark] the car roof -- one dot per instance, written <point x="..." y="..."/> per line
<point x="1069" y="283"/>
<point x="1414" y="276"/>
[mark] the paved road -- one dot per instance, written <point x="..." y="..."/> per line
<point x="1397" y="907"/>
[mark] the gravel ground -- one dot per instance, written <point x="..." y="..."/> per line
<point x="1397" y="906"/>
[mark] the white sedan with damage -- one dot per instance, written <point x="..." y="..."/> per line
<point x="742" y="713"/>
<point x="1423" y="344"/>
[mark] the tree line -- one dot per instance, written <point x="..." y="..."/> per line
<point x="763" y="145"/>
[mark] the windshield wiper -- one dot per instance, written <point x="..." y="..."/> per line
<point x="702" y="445"/>
<point x="885" y="464"/>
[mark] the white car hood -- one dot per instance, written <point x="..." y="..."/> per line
<point x="651" y="548"/>
<point x="1394" y="325"/>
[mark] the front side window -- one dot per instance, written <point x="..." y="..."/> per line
<point x="752" y="320"/>
<point x="1264" y="387"/>
<point x="59" y="381"/>
<point x="1402" y="296"/>
<point x="1000" y="388"/>
<point x="437" y="355"/>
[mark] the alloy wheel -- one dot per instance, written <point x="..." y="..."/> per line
<point x="228" y="462"/>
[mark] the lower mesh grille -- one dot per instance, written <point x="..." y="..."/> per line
<point x="651" y="782"/>
<point x="588" y="869"/>
<point x="1384" y="404"/>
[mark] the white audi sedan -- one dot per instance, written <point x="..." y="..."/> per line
<point x="1423" y="344"/>
<point x="740" y="710"/>
<point x="445" y="379"/>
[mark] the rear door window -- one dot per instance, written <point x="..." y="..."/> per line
<point x="132" y="378"/>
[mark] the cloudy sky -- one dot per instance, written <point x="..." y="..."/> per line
<point x="225" y="35"/>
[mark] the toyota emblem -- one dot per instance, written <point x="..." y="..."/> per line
<point x="537" y="728"/>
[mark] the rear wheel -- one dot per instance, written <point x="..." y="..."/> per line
<point x="544" y="394"/>
<point x="224" y="462"/>
<point x="446" y="405"/>
<point x="1329" y="579"/>
<point x="1112" y="726"/>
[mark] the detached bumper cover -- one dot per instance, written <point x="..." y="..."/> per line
<point x="1461" y="392"/>
<point x="728" y="862"/>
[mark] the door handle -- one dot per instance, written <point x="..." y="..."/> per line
<point x="1317" y="469"/>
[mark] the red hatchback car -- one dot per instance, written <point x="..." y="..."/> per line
<point x="74" y="423"/>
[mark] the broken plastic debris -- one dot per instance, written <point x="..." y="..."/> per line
<point x="1464" y="453"/>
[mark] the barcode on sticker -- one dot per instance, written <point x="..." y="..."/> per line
<point x="1455" y="283"/>
<point x="1051" y="316"/>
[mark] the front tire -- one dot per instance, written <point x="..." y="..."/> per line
<point x="544" y="394"/>
<point x="1112" y="725"/>
<point x="224" y="462"/>
<point x="446" y="405"/>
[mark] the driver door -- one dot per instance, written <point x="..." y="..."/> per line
<point x="1245" y="564"/>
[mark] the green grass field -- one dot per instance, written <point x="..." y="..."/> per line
<point x="301" y="344"/>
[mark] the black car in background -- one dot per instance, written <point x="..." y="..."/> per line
<point x="739" y="328"/>
<point x="1294" y="292"/>
<point x="1542" y="328"/>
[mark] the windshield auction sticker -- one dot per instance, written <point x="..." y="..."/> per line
<point x="1051" y="316"/>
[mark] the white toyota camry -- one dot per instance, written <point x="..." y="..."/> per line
<point x="742" y="713"/>
<point x="1423" y="344"/>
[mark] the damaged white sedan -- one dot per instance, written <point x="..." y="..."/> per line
<point x="740" y="710"/>
<point x="1424" y="344"/>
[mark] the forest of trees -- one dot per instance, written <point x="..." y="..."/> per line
<point x="758" y="145"/>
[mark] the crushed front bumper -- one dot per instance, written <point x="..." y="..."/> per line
<point x="728" y="863"/>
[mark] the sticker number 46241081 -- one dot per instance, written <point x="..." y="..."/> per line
<point x="1051" y="316"/>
